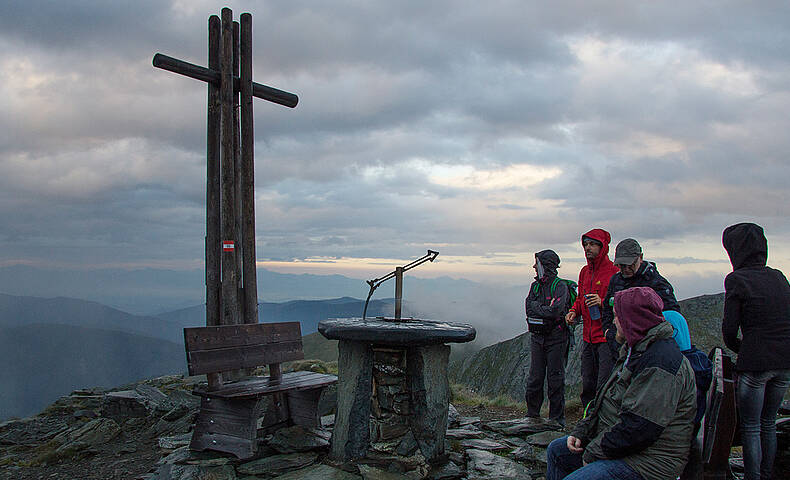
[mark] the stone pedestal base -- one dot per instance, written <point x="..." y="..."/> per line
<point x="428" y="400"/>
<point x="351" y="435"/>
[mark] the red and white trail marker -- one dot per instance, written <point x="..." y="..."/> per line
<point x="228" y="246"/>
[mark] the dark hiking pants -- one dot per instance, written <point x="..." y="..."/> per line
<point x="596" y="366"/>
<point x="547" y="363"/>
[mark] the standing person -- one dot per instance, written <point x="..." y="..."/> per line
<point x="640" y="424"/>
<point x="593" y="282"/>
<point x="634" y="271"/>
<point x="756" y="301"/>
<point x="545" y="306"/>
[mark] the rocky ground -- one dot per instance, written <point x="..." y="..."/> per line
<point x="141" y="431"/>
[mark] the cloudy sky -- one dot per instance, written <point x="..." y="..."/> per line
<point x="484" y="130"/>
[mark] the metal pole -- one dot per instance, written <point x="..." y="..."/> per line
<point x="398" y="291"/>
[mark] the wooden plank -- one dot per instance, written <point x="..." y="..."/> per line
<point x="239" y="250"/>
<point x="715" y="395"/>
<point x="210" y="75"/>
<point x="213" y="249"/>
<point x="227" y="359"/>
<point x="225" y="336"/>
<point x="264" y="386"/>
<point x="230" y="314"/>
<point x="720" y="429"/>
<point x="249" y="267"/>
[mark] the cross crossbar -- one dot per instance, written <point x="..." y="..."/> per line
<point x="212" y="76"/>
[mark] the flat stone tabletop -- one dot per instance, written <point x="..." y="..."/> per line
<point x="388" y="331"/>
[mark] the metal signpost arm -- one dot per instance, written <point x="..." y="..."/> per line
<point x="398" y="275"/>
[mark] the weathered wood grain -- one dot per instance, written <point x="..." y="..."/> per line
<point x="224" y="336"/>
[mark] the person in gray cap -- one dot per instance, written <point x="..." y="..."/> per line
<point x="634" y="272"/>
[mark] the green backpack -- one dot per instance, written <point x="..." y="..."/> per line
<point x="572" y="293"/>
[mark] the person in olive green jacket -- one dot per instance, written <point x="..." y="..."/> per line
<point x="641" y="421"/>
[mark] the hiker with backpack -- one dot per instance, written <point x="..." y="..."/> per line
<point x="546" y="305"/>
<point x="594" y="279"/>
<point x="756" y="302"/>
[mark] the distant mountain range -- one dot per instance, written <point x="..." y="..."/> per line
<point x="51" y="346"/>
<point x="307" y="312"/>
<point x="44" y="361"/>
<point x="502" y="368"/>
<point x="153" y="291"/>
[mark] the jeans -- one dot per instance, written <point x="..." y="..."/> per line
<point x="759" y="397"/>
<point x="562" y="463"/>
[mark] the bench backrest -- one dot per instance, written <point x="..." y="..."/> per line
<point x="229" y="347"/>
<point x="720" y="419"/>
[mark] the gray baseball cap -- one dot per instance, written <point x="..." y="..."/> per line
<point x="627" y="252"/>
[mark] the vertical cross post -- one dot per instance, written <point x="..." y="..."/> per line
<point x="230" y="280"/>
<point x="213" y="227"/>
<point x="231" y="283"/>
<point x="249" y="269"/>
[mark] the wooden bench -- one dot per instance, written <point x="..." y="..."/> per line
<point x="230" y="411"/>
<point x="710" y="451"/>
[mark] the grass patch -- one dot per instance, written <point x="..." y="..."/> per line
<point x="463" y="395"/>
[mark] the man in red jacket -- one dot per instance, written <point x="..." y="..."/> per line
<point x="594" y="278"/>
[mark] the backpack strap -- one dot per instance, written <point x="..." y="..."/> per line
<point x="554" y="285"/>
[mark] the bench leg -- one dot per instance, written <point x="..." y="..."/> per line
<point x="303" y="407"/>
<point x="276" y="413"/>
<point x="226" y="426"/>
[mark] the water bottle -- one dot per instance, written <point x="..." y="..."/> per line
<point x="595" y="311"/>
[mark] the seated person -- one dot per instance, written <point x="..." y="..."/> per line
<point x="681" y="328"/>
<point x="640" y="424"/>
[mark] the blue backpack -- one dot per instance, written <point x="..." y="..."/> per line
<point x="703" y="374"/>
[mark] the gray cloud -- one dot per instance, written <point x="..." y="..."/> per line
<point x="659" y="122"/>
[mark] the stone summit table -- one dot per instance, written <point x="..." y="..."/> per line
<point x="392" y="388"/>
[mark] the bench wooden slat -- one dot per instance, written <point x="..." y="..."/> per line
<point x="225" y="359"/>
<point x="224" y="336"/>
<point x="229" y="413"/>
<point x="264" y="385"/>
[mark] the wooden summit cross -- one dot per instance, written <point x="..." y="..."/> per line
<point x="232" y="297"/>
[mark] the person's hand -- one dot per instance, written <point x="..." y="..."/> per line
<point x="592" y="299"/>
<point x="574" y="444"/>
<point x="570" y="318"/>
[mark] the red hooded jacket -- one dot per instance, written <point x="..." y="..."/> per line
<point x="594" y="278"/>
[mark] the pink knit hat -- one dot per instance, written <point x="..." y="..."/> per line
<point x="638" y="309"/>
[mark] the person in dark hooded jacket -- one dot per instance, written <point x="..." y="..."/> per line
<point x="593" y="282"/>
<point x="546" y="306"/>
<point x="756" y="302"/>
<point x="634" y="272"/>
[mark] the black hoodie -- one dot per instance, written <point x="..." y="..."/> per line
<point x="542" y="303"/>
<point x="756" y="301"/>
